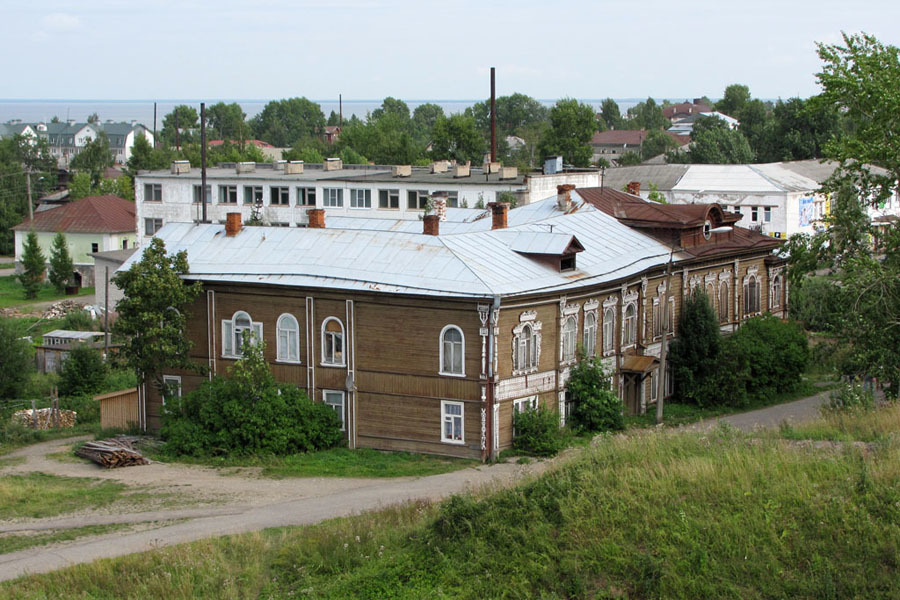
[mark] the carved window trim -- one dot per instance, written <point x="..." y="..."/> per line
<point x="526" y="343"/>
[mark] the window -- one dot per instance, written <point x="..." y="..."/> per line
<point x="279" y="196"/>
<point x="767" y="214"/>
<point x="124" y="244"/>
<point x="452" y="351"/>
<point x="776" y="292"/>
<point x="754" y="214"/>
<point x="723" y="301"/>
<point x="751" y="295"/>
<point x="416" y="199"/>
<point x="288" y="339"/>
<point x="333" y="342"/>
<point x="197" y="194"/>
<point x="333" y="197"/>
<point x="151" y="226"/>
<point x="711" y="295"/>
<point x="152" y="192"/>
<point x="523" y="405"/>
<point x="707" y="229"/>
<point x="228" y="194"/>
<point x="567" y="262"/>
<point x="452" y="198"/>
<point x="335" y="400"/>
<point x="388" y="198"/>
<point x="452" y="422"/>
<point x="568" y="339"/>
<point x="629" y="333"/>
<point x="525" y="348"/>
<point x="235" y="331"/>
<point x="306" y="196"/>
<point x="95" y="247"/>
<point x="654" y="384"/>
<point x="253" y="194"/>
<point x="609" y="329"/>
<point x="171" y="387"/>
<point x="590" y="333"/>
<point x="360" y="198"/>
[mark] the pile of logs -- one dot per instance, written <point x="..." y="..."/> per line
<point x="44" y="418"/>
<point x="112" y="453"/>
<point x="60" y="309"/>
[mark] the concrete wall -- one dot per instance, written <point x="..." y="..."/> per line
<point x="541" y="187"/>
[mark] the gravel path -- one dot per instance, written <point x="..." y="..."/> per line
<point x="242" y="501"/>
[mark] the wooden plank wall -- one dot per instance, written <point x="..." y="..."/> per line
<point x="119" y="409"/>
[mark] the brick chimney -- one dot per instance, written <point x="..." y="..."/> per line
<point x="634" y="188"/>
<point x="432" y="225"/>
<point x="563" y="196"/>
<point x="233" y="224"/>
<point x="316" y="218"/>
<point x="499" y="211"/>
<point x="439" y="205"/>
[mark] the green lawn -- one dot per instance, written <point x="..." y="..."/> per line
<point x="38" y="495"/>
<point x="12" y="294"/>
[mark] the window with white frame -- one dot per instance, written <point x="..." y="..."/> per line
<point x="388" y="198"/>
<point x="711" y="295"/>
<point x="452" y="198"/>
<point x="228" y="194"/>
<point x="659" y="316"/>
<point x="590" y="333"/>
<point x="526" y="347"/>
<point x="569" y="337"/>
<point x="629" y="331"/>
<point x="609" y="329"/>
<point x="279" y="196"/>
<point x="287" y="339"/>
<point x="171" y="387"/>
<point x="723" y="301"/>
<point x="333" y="197"/>
<point x="336" y="401"/>
<point x="253" y="194"/>
<point x="452" y="417"/>
<point x="452" y="351"/>
<point x="767" y="214"/>
<point x="306" y="196"/>
<point x="416" y="199"/>
<point x="360" y="198"/>
<point x="333" y="342"/>
<point x="152" y="192"/>
<point x="754" y="214"/>
<point x="197" y="198"/>
<point x="776" y="292"/>
<point x="522" y="405"/>
<point x="151" y="226"/>
<point x="236" y="330"/>
<point x="751" y="295"/>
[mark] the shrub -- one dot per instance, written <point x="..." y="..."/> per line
<point x="537" y="432"/>
<point x="850" y="397"/>
<point x="816" y="302"/>
<point x="77" y="320"/>
<point x="86" y="408"/>
<point x="16" y="363"/>
<point x="248" y="413"/>
<point x="119" y="379"/>
<point x="694" y="354"/>
<point x="84" y="372"/>
<point x="776" y="353"/>
<point x="596" y="406"/>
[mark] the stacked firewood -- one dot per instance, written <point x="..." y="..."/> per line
<point x="112" y="453"/>
<point x="45" y="418"/>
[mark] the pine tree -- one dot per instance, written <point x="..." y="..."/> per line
<point x="60" y="263"/>
<point x="33" y="263"/>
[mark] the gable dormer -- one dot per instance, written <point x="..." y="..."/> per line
<point x="556" y="250"/>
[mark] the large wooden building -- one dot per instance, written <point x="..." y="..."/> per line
<point x="426" y="335"/>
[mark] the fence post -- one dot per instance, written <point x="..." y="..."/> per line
<point x="33" y="415"/>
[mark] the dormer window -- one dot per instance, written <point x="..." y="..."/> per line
<point x="567" y="263"/>
<point x="707" y="229"/>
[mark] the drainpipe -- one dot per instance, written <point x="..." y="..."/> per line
<point x="491" y="400"/>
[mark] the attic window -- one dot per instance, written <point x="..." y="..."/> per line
<point x="567" y="262"/>
<point x="707" y="229"/>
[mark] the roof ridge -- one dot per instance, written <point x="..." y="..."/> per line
<point x="466" y="263"/>
<point x="780" y="187"/>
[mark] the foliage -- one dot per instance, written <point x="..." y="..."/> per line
<point x="657" y="142"/>
<point x="226" y="122"/>
<point x="183" y="119"/>
<point x="537" y="431"/>
<point x="60" y="263"/>
<point x="94" y="158"/>
<point x="16" y="356"/>
<point x="818" y="303"/>
<point x="849" y="230"/>
<point x="647" y="115"/>
<point x="284" y="123"/>
<point x="385" y="140"/>
<point x="850" y="397"/>
<point x="596" y="406"/>
<point x="146" y="158"/>
<point x="861" y="79"/>
<point x="572" y="125"/>
<point x="735" y="99"/>
<point x="655" y="195"/>
<point x="509" y="198"/>
<point x="83" y="373"/>
<point x="306" y="154"/>
<point x="629" y="159"/>
<point x="425" y="116"/>
<point x="776" y="353"/>
<point x="713" y="142"/>
<point x="33" y="264"/>
<point x="457" y="138"/>
<point x="248" y="413"/>
<point x="514" y="113"/>
<point x="611" y="114"/>
<point x="81" y="186"/>
<point x="694" y="354"/>
<point x="77" y="320"/>
<point x="18" y="155"/>
<point x="153" y="313"/>
<point x="804" y="255"/>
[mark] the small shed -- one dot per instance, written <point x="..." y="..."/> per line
<point x="54" y="348"/>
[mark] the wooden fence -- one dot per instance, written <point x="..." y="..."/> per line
<point x="119" y="409"/>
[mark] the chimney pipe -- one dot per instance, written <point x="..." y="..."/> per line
<point x="432" y="224"/>
<point x="499" y="211"/>
<point x="634" y="188"/>
<point x="233" y="224"/>
<point x="563" y="196"/>
<point x="316" y="218"/>
<point x="203" y="161"/>
<point x="493" y="120"/>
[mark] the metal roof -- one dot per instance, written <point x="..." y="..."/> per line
<point x="73" y="335"/>
<point x="664" y="177"/>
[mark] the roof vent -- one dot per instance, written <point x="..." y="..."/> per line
<point x="278" y="165"/>
<point x="553" y="164"/>
<point x="564" y="196"/>
<point x="245" y="167"/>
<point x="509" y="172"/>
<point x="401" y="170"/>
<point x="461" y="170"/>
<point x="499" y="211"/>
<point x="295" y="167"/>
<point x="439" y="166"/>
<point x="180" y="166"/>
<point x="491" y="167"/>
<point x="333" y="164"/>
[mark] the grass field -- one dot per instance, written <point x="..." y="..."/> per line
<point x="37" y="495"/>
<point x="643" y="515"/>
<point x="12" y="294"/>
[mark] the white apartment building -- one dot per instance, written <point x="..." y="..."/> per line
<point x="280" y="194"/>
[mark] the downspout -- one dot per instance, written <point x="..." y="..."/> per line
<point x="491" y="450"/>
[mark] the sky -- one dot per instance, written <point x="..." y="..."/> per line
<point x="370" y="49"/>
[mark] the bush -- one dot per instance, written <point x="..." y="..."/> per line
<point x="87" y="409"/>
<point x="83" y="373"/>
<point x="776" y="353"/>
<point x="537" y="432"/>
<point x="596" y="406"/>
<point x="694" y="354"/>
<point x="850" y="397"/>
<point x="816" y="302"/>
<point x="248" y="413"/>
<point x="16" y="362"/>
<point x="119" y="379"/>
<point x="77" y="320"/>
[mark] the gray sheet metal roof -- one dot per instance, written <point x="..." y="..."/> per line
<point x="664" y="177"/>
<point x="475" y="263"/>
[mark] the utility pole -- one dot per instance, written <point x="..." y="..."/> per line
<point x="493" y="120"/>
<point x="106" y="316"/>
<point x="664" y="316"/>
<point x="28" y="188"/>
<point x="203" y="160"/>
<point x="154" y="126"/>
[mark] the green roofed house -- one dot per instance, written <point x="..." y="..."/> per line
<point x="91" y="224"/>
